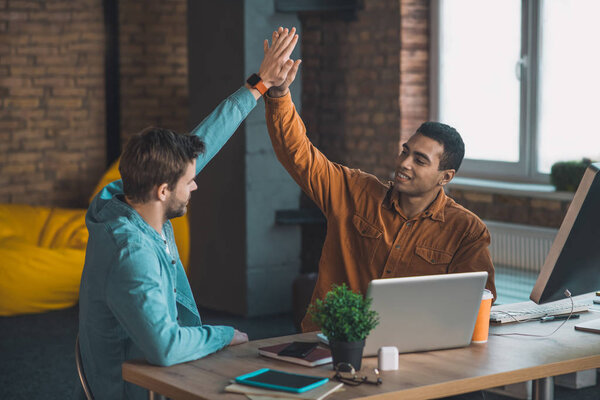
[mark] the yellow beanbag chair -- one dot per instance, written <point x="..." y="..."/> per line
<point x="42" y="252"/>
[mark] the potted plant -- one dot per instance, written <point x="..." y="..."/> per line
<point x="566" y="175"/>
<point x="346" y="319"/>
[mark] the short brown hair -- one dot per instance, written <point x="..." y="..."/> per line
<point x="156" y="156"/>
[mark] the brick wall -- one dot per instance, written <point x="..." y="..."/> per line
<point x="509" y="208"/>
<point x="51" y="101"/>
<point x="366" y="89"/>
<point x="351" y="84"/>
<point x="52" y="107"/>
<point x="414" y="66"/>
<point x="153" y="62"/>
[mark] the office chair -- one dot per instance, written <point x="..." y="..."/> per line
<point x="81" y="373"/>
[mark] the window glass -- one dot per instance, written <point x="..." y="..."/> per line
<point x="479" y="48"/>
<point x="569" y="82"/>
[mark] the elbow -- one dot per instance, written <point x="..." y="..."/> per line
<point x="160" y="359"/>
<point x="160" y="354"/>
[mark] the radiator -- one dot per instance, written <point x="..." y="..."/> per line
<point x="520" y="247"/>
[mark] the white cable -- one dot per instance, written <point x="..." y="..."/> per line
<point x="567" y="293"/>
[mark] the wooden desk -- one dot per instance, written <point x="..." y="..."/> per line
<point x="501" y="361"/>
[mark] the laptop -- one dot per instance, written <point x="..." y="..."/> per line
<point x="425" y="312"/>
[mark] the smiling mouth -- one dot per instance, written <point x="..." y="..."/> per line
<point x="401" y="177"/>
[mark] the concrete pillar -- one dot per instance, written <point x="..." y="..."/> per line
<point x="241" y="262"/>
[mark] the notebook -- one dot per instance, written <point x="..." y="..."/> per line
<point x="318" y="356"/>
<point x="425" y="312"/>
<point x="315" y="394"/>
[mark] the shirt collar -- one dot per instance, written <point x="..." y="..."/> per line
<point x="118" y="203"/>
<point x="435" y="211"/>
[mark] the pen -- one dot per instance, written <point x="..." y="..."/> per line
<point x="558" y="317"/>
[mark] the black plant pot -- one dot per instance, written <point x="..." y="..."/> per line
<point x="347" y="352"/>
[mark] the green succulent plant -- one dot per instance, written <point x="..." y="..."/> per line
<point x="343" y="315"/>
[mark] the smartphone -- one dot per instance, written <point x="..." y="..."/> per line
<point x="280" y="380"/>
<point x="298" y="349"/>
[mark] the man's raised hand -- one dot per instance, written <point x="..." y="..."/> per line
<point x="290" y="68"/>
<point x="277" y="66"/>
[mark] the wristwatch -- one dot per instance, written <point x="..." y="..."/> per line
<point x="256" y="82"/>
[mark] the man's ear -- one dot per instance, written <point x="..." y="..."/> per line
<point x="162" y="191"/>
<point x="447" y="176"/>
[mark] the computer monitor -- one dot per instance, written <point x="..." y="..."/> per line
<point x="573" y="261"/>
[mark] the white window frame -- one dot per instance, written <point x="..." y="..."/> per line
<point x="525" y="170"/>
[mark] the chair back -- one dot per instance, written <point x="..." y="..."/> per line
<point x="81" y="373"/>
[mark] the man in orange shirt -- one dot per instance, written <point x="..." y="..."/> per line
<point x="406" y="227"/>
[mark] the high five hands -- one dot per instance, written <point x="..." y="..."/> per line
<point x="288" y="71"/>
<point x="277" y="70"/>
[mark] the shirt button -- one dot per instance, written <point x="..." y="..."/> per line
<point x="172" y="261"/>
<point x="388" y="271"/>
<point x="165" y="242"/>
<point x="408" y="223"/>
<point x="398" y="246"/>
<point x="174" y="290"/>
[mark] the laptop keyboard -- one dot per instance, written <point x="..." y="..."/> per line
<point x="529" y="310"/>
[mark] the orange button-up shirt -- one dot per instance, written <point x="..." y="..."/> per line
<point x="368" y="235"/>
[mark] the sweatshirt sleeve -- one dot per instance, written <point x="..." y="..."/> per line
<point x="138" y="300"/>
<point x="216" y="129"/>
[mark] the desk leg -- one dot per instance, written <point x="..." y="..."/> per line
<point x="542" y="389"/>
<point x="155" y="396"/>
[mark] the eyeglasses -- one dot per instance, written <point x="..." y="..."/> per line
<point x="345" y="373"/>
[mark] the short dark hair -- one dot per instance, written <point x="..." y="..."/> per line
<point x="447" y="136"/>
<point x="156" y="156"/>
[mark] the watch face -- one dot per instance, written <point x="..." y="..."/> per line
<point x="253" y="80"/>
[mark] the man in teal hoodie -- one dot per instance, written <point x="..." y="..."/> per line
<point x="135" y="299"/>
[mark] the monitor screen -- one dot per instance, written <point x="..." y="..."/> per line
<point x="573" y="261"/>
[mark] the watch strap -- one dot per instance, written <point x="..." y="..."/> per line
<point x="256" y="82"/>
<point x="260" y="86"/>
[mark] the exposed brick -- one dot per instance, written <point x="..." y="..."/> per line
<point x="46" y="55"/>
<point x="21" y="102"/>
<point x="553" y="205"/>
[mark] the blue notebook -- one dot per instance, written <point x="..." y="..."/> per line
<point x="281" y="380"/>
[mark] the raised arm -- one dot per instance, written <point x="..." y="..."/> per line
<point x="318" y="177"/>
<point x="216" y="129"/>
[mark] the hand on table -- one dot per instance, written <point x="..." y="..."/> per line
<point x="238" y="338"/>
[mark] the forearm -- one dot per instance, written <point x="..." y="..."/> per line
<point x="216" y="129"/>
<point x="306" y="164"/>
<point x="181" y="344"/>
<point x="142" y="311"/>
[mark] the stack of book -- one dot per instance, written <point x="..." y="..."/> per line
<point x="267" y="384"/>
<point x="255" y="393"/>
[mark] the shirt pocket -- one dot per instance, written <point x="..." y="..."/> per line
<point x="428" y="261"/>
<point x="366" y="229"/>
<point x="367" y="240"/>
